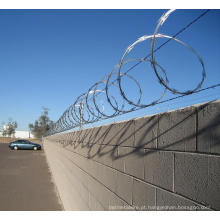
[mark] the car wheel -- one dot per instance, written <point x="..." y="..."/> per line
<point x="35" y="148"/>
<point x="15" y="148"/>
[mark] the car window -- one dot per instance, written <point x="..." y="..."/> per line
<point x="22" y="141"/>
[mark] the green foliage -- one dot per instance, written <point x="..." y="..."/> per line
<point x="9" y="128"/>
<point x="4" y="133"/>
<point x="42" y="125"/>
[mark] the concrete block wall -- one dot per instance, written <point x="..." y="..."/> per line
<point x="168" y="161"/>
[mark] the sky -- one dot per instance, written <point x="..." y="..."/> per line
<point x="49" y="57"/>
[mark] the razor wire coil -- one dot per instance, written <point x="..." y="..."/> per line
<point x="89" y="107"/>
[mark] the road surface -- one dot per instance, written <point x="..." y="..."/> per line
<point x="25" y="181"/>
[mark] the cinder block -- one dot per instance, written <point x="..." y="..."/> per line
<point x="143" y="196"/>
<point x="71" y="197"/>
<point x="86" y="165"/>
<point x="87" y="135"/>
<point x="107" y="154"/>
<point x="77" y="183"/>
<point x="100" y="192"/>
<point x="158" y="168"/>
<point x="118" y="162"/>
<point x="126" y="134"/>
<point x="121" y="134"/>
<point x="191" y="176"/>
<point x="82" y="149"/>
<point x="71" y="136"/>
<point x="124" y="187"/>
<point x="94" y="204"/>
<point x="77" y="136"/>
<point x="76" y="159"/>
<point x="92" y="186"/>
<point x="81" y="134"/>
<point x="173" y="202"/>
<point x="209" y="127"/>
<point x="92" y="168"/>
<point x="75" y="147"/>
<point x="92" y="151"/>
<point x="101" y="133"/>
<point x="133" y="160"/>
<point x="94" y="136"/>
<point x="146" y="129"/>
<point x="117" y="204"/>
<point x="107" y="176"/>
<point x="213" y="194"/>
<point x="100" y="153"/>
<point x="177" y="130"/>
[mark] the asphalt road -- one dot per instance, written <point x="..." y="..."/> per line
<point x="25" y="181"/>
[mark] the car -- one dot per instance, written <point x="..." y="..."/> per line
<point x="24" y="144"/>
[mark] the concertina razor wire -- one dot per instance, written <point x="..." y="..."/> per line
<point x="90" y="108"/>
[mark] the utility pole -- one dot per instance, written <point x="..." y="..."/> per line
<point x="81" y="114"/>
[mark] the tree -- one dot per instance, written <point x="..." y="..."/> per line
<point x="42" y="125"/>
<point x="4" y="132"/>
<point x="12" y="125"/>
<point x="9" y="128"/>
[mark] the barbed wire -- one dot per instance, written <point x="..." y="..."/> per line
<point x="90" y="107"/>
<point x="175" y="98"/>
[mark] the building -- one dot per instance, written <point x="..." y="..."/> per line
<point x="20" y="134"/>
<point x="23" y="134"/>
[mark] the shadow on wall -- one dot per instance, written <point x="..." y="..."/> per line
<point x="193" y="129"/>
